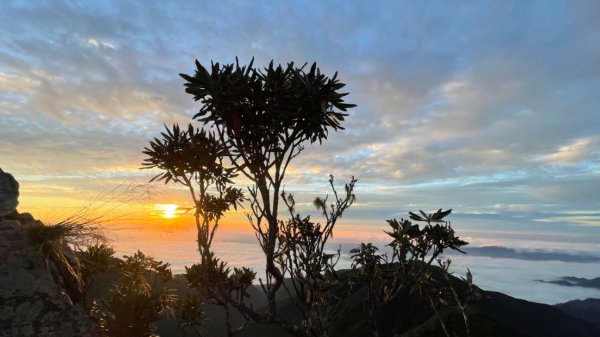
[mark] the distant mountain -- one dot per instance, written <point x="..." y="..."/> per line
<point x="572" y="281"/>
<point x="532" y="319"/>
<point x="530" y="255"/>
<point x="588" y="309"/>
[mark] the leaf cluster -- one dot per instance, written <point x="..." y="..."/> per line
<point x="56" y="243"/>
<point x="97" y="258"/>
<point x="194" y="158"/>
<point x="259" y="120"/>
<point x="410" y="241"/>
<point x="138" y="267"/>
<point x="139" y="300"/>
<point x="366" y="257"/>
<point x="185" y="152"/>
<point x="215" y="283"/>
<point x="409" y="270"/>
<point x="302" y="254"/>
<point x="213" y="278"/>
<point x="262" y="105"/>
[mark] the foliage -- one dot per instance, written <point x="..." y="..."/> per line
<point x="194" y="158"/>
<point x="260" y="119"/>
<point x="305" y="260"/>
<point x="414" y="249"/>
<point x="55" y="237"/>
<point x="97" y="258"/>
<point x="264" y="117"/>
<point x="55" y="242"/>
<point x="139" y="299"/>
<point x="192" y="313"/>
<point x="265" y="111"/>
<point x="216" y="283"/>
<point x="370" y="268"/>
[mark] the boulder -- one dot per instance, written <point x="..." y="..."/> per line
<point x="9" y="193"/>
<point x="33" y="302"/>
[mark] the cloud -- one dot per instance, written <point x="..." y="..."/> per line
<point x="17" y="84"/>
<point x="483" y="108"/>
<point x="100" y="44"/>
<point x="580" y="220"/>
<point x="573" y="152"/>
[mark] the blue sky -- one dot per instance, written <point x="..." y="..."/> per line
<point x="489" y="108"/>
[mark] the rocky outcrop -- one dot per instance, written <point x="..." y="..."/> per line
<point x="32" y="302"/>
<point x="9" y="193"/>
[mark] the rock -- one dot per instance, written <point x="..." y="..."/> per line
<point x="9" y="193"/>
<point x="32" y="301"/>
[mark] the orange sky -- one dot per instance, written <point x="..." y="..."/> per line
<point x="154" y="210"/>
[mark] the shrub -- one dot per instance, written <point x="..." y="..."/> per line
<point x="138" y="301"/>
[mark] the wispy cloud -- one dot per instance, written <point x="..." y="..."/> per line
<point x="100" y="44"/>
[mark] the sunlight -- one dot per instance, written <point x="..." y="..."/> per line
<point x="168" y="211"/>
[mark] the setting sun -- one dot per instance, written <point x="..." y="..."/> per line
<point x="168" y="211"/>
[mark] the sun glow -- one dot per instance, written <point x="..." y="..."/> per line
<point x="168" y="211"/>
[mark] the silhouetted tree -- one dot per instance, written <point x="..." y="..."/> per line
<point x="195" y="158"/>
<point x="260" y="121"/>
<point x="264" y="117"/>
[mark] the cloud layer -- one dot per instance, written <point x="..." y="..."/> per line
<point x="490" y="109"/>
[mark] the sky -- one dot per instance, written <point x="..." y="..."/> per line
<point x="488" y="108"/>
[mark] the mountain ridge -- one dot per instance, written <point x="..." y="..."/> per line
<point x="494" y="315"/>
<point x="588" y="309"/>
